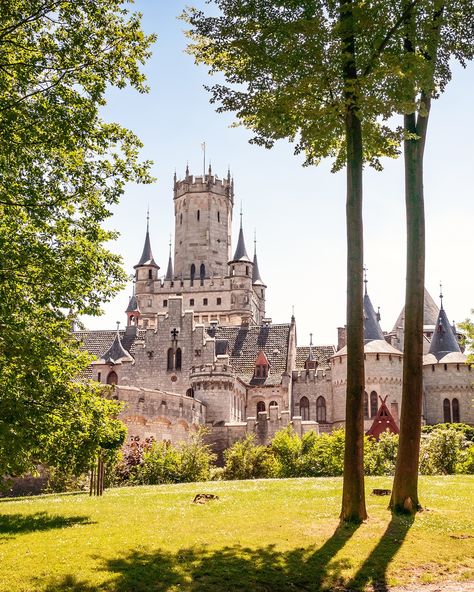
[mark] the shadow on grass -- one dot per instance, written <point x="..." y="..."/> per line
<point x="11" y="524"/>
<point x="228" y="569"/>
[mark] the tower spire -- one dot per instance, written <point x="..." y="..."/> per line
<point x="256" y="278"/>
<point x="441" y="295"/>
<point x="241" y="251"/>
<point x="147" y="255"/>
<point x="365" y="280"/>
<point x="169" y="271"/>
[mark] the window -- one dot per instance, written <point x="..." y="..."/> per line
<point x="191" y="302"/>
<point x="366" y="406"/>
<point x="447" y="411"/>
<point x="246" y="270"/>
<point x="165" y="303"/>
<point x="202" y="272"/>
<point x="178" y="359"/>
<point x="141" y="400"/>
<point x="273" y="404"/>
<point x="304" y="408"/>
<point x="150" y="302"/>
<point x="373" y="404"/>
<point x="321" y="409"/>
<point x="218" y="216"/>
<point x="170" y="365"/>
<point x="181" y="218"/>
<point x="204" y="301"/>
<point x="377" y="357"/>
<point x="219" y="301"/>
<point x="261" y="365"/>
<point x="193" y="272"/>
<point x="455" y="405"/>
<point x="112" y="378"/>
<point x="199" y="215"/>
<point x="260" y="407"/>
<point x="99" y="376"/>
<point x="150" y="274"/>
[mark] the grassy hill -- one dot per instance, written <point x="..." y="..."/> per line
<point x="269" y="535"/>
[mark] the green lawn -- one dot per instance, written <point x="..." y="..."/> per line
<point x="269" y="535"/>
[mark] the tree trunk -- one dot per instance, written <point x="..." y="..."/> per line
<point x="353" y="494"/>
<point x="405" y="485"/>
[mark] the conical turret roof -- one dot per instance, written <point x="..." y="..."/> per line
<point x="240" y="251"/>
<point x="256" y="279"/>
<point x="444" y="340"/>
<point x="372" y="330"/>
<point x="430" y="313"/>
<point x="116" y="351"/>
<point x="147" y="255"/>
<point x="169" y="271"/>
<point x="132" y="304"/>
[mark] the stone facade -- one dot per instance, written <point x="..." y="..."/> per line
<point x="199" y="351"/>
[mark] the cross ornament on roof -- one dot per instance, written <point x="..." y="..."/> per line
<point x="174" y="334"/>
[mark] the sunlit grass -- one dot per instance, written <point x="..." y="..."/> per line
<point x="260" y="535"/>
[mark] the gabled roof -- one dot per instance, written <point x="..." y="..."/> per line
<point x="262" y="359"/>
<point x="245" y="343"/>
<point x="147" y="255"/>
<point x="430" y="313"/>
<point x="98" y="342"/>
<point x="444" y="340"/>
<point x="372" y="328"/>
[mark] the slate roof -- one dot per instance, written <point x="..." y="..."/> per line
<point x="241" y="252"/>
<point x="372" y="328"/>
<point x="444" y="340"/>
<point x="256" y="279"/>
<point x="245" y="343"/>
<point x="132" y="304"/>
<point x="430" y="313"/>
<point x="99" y="342"/>
<point x="147" y="255"/>
<point x="321" y="353"/>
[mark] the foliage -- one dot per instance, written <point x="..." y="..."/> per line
<point x="61" y="169"/>
<point x="465" y="461"/>
<point x="440" y="452"/>
<point x="463" y="428"/>
<point x="247" y="460"/>
<point x="468" y="329"/>
<point x="380" y="455"/>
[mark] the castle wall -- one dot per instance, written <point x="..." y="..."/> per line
<point x="312" y="384"/>
<point x="161" y="415"/>
<point x="448" y="381"/>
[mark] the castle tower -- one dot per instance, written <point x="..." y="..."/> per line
<point x="203" y="219"/>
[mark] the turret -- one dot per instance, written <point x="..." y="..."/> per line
<point x="169" y="271"/>
<point x="444" y="340"/>
<point x="372" y="330"/>
<point x="132" y="310"/>
<point x="146" y="268"/>
<point x="240" y="265"/>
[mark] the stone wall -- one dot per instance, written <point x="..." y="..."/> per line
<point x="448" y="381"/>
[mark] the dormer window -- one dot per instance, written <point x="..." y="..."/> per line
<point x="262" y="365"/>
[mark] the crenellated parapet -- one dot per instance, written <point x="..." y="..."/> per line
<point x="311" y="375"/>
<point x="204" y="183"/>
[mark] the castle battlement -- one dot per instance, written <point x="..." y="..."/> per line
<point x="311" y="375"/>
<point x="203" y="184"/>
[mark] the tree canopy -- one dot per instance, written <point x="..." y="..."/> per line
<point x="61" y="169"/>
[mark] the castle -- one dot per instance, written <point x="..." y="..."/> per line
<point x="198" y="348"/>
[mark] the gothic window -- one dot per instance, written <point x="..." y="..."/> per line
<point x="366" y="406"/>
<point x="193" y="272"/>
<point x="190" y="392"/>
<point x="304" y="408"/>
<point x="273" y="404"/>
<point x="447" y="411"/>
<point x="455" y="405"/>
<point x="260" y="407"/>
<point x="373" y="404"/>
<point x="112" y="378"/>
<point x="178" y="359"/>
<point x="199" y="215"/>
<point x="321" y="409"/>
<point x="202" y="271"/>
<point x="170" y="365"/>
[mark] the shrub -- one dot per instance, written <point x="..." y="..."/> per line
<point x="323" y="455"/>
<point x="465" y="463"/>
<point x="287" y="449"/>
<point x="440" y="452"/>
<point x="466" y="430"/>
<point x="196" y="459"/>
<point x="247" y="460"/>
<point x="380" y="456"/>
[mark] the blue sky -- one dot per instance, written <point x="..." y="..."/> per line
<point x="299" y="213"/>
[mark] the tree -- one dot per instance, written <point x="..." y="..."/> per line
<point x="61" y="168"/>
<point x="435" y="32"/>
<point x="468" y="327"/>
<point x="315" y="73"/>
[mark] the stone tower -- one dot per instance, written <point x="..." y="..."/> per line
<point x="203" y="222"/>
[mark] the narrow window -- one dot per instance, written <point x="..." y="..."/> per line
<point x="191" y="302"/>
<point x="218" y="216"/>
<point x="447" y="411"/>
<point x="99" y="376"/>
<point x="455" y="404"/>
<point x="165" y="303"/>
<point x="366" y="406"/>
<point x="219" y="301"/>
<point x="246" y="270"/>
<point x="321" y="410"/>
<point x="260" y="407"/>
<point x="202" y="272"/>
<point x="204" y="301"/>
<point x="150" y="274"/>
<point x="304" y="408"/>
<point x="193" y="273"/>
<point x="377" y="357"/>
<point x="112" y="378"/>
<point x="170" y="365"/>
<point x="199" y="215"/>
<point x="181" y="218"/>
<point x="178" y="359"/>
<point x="373" y="404"/>
<point x="273" y="404"/>
<point x="190" y="392"/>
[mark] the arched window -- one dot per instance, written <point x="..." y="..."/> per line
<point x="455" y="405"/>
<point x="260" y="407"/>
<point x="190" y="392"/>
<point x="193" y="272"/>
<point x="447" y="411"/>
<point x="273" y="404"/>
<point x="112" y="378"/>
<point x="373" y="404"/>
<point x="366" y="406"/>
<point x="304" y="408"/>
<point x="170" y="356"/>
<point x="202" y="271"/>
<point x="177" y="363"/>
<point x="321" y="410"/>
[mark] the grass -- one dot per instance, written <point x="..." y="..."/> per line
<point x="269" y="535"/>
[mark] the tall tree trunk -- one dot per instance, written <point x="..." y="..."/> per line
<point x="353" y="494"/>
<point x="405" y="485"/>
